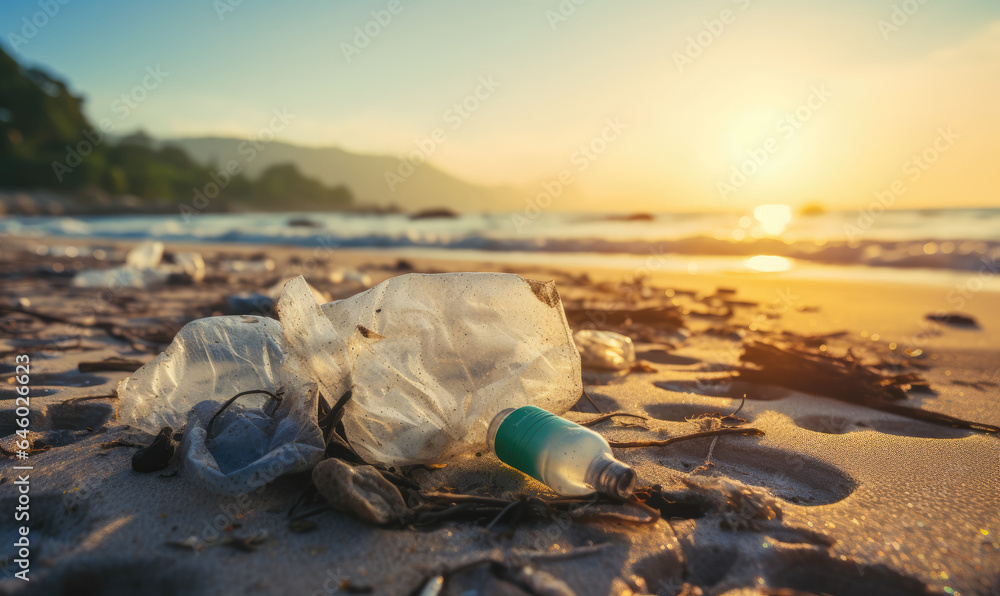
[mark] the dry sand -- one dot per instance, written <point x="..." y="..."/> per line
<point x="871" y="503"/>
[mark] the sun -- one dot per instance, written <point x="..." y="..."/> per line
<point x="773" y="218"/>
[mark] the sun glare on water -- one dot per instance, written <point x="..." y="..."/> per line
<point x="768" y="263"/>
<point x="773" y="218"/>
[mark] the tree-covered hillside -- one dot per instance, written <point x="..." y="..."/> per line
<point x="46" y="142"/>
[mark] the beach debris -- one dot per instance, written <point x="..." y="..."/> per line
<point x="605" y="350"/>
<point x="241" y="266"/>
<point x="191" y="264"/>
<point x="742" y="507"/>
<point x="274" y="292"/>
<point x="156" y="456"/>
<point x="495" y="340"/>
<point x="431" y="587"/>
<point x="109" y="364"/>
<point x="506" y="566"/>
<point x="977" y="385"/>
<point x="120" y="277"/>
<point x="209" y="359"/>
<point x="750" y="432"/>
<point x="431" y="359"/>
<point x="228" y="448"/>
<point x="142" y="270"/>
<point x="14" y="442"/>
<point x="145" y="255"/>
<point x="344" y="275"/>
<point x="361" y="491"/>
<point x="954" y="319"/>
<point x="248" y="543"/>
<point x="250" y="303"/>
<point x="604" y="417"/>
<point x="523" y="436"/>
<point x="659" y="324"/>
<point x="348" y="586"/>
<point x="844" y="378"/>
<point x="532" y="579"/>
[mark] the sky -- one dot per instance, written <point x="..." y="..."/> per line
<point x="650" y="105"/>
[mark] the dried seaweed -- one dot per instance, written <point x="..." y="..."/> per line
<point x="843" y="378"/>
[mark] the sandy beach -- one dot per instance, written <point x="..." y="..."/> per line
<point x="835" y="497"/>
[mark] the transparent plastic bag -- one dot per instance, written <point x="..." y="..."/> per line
<point x="251" y="442"/>
<point x="140" y="270"/>
<point x="145" y="255"/>
<point x="191" y="263"/>
<point x="432" y="359"/>
<point x="120" y="277"/>
<point x="604" y="349"/>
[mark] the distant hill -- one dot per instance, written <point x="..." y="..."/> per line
<point x="426" y="187"/>
<point x="46" y="142"/>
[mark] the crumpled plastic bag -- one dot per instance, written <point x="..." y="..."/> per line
<point x="210" y="361"/>
<point x="604" y="349"/>
<point x="431" y="359"/>
<point x="141" y="270"/>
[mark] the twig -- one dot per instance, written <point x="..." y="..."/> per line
<point x="458" y="498"/>
<point x="112" y="364"/>
<point x="502" y="513"/>
<point x="604" y="417"/>
<point x="752" y="432"/>
<point x="742" y="403"/>
<point x="90" y="397"/>
<point x="590" y="400"/>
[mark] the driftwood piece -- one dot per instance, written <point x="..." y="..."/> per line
<point x="842" y="378"/>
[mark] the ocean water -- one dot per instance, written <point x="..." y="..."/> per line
<point x="931" y="246"/>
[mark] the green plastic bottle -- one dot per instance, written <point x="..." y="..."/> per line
<point x="570" y="459"/>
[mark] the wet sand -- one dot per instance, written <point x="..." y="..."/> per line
<point x="870" y="502"/>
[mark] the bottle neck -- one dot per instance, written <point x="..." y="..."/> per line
<point x="609" y="476"/>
